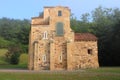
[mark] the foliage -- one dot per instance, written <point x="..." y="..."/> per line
<point x="14" y="31"/>
<point x="4" y="43"/>
<point x="13" y="54"/>
<point x="79" y="26"/>
<point x="106" y="28"/>
<point x="2" y="57"/>
<point x="23" y="59"/>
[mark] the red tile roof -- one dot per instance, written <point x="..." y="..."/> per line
<point x="85" y="37"/>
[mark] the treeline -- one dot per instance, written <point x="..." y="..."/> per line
<point x="14" y="32"/>
<point x="14" y="35"/>
<point x="103" y="22"/>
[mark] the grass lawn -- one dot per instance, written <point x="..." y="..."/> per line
<point x="9" y="66"/>
<point x="105" y="73"/>
<point x="87" y="74"/>
<point x="2" y="56"/>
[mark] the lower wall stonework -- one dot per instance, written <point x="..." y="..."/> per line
<point x="79" y="57"/>
<point x="75" y="55"/>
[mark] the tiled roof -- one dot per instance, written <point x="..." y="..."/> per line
<point x="85" y="37"/>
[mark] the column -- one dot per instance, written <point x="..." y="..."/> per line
<point x="36" y="67"/>
<point x="69" y="66"/>
<point x="52" y="50"/>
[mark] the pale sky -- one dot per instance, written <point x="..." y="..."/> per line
<point x="20" y="9"/>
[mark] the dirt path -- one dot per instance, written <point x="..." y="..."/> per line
<point x="41" y="71"/>
<point x="14" y="70"/>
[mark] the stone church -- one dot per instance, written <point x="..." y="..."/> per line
<point x="53" y="45"/>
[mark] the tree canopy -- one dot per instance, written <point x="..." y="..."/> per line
<point x="14" y="31"/>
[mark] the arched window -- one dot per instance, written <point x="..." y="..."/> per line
<point x="45" y="35"/>
<point x="59" y="29"/>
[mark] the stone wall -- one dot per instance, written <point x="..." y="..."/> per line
<point x="79" y="56"/>
<point x="59" y="54"/>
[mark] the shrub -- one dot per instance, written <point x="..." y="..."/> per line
<point x="13" y="54"/>
<point x="23" y="59"/>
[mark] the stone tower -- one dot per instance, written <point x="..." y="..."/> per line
<point x="54" y="46"/>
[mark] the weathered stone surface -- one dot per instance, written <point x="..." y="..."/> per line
<point x="49" y="51"/>
<point x="79" y="57"/>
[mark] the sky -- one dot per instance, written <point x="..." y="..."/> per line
<point x="25" y="9"/>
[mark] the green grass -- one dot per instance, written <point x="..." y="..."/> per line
<point x="2" y="56"/>
<point x="87" y="74"/>
<point x="9" y="66"/>
<point x="106" y="69"/>
<point x="105" y="73"/>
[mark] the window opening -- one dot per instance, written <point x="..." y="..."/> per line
<point x="44" y="58"/>
<point x="90" y="51"/>
<point x="45" y="35"/>
<point x="60" y="58"/>
<point x="59" y="13"/>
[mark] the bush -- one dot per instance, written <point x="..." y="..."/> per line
<point x="23" y="59"/>
<point x="13" y="54"/>
<point x="15" y="58"/>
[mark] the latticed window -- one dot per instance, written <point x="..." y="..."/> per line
<point x="59" y="29"/>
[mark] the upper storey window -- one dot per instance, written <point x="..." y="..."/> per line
<point x="59" y="29"/>
<point x="59" y="13"/>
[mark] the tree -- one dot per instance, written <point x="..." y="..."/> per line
<point x="85" y="18"/>
<point x="105" y="27"/>
<point x="80" y="26"/>
<point x="15" y="31"/>
<point x="13" y="54"/>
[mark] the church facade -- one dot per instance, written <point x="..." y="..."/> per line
<point x="53" y="45"/>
